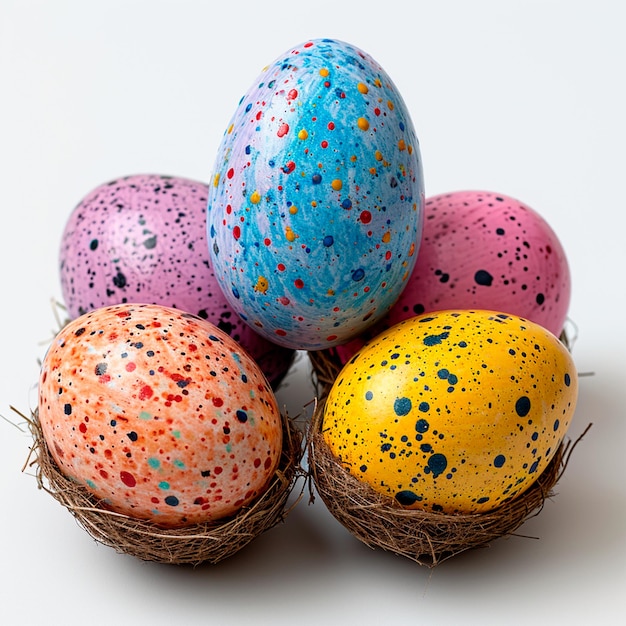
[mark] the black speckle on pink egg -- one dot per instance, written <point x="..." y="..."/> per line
<point x="142" y="239"/>
<point x="483" y="277"/>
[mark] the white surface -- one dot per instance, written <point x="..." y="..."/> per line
<point x="524" y="98"/>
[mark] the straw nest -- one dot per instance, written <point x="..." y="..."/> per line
<point x="191" y="545"/>
<point x="425" y="537"/>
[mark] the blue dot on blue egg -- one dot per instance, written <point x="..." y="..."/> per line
<point x="358" y="274"/>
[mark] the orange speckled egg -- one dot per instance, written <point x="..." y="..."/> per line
<point x="159" y="414"/>
<point x="457" y="411"/>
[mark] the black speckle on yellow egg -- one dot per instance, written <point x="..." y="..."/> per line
<point x="457" y="411"/>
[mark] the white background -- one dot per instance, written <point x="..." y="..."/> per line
<point x="523" y="98"/>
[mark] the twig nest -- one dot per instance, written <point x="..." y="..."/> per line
<point x="163" y="433"/>
<point x="436" y="438"/>
<point x="425" y="537"/>
<point x="190" y="545"/>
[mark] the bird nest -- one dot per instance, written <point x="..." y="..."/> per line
<point x="209" y="542"/>
<point x="425" y="537"/>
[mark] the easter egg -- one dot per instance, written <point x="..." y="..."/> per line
<point x="457" y="411"/>
<point x="485" y="250"/>
<point x="142" y="238"/>
<point x="315" y="207"/>
<point x="158" y="414"/>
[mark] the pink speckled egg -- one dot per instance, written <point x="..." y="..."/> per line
<point x="143" y="238"/>
<point x="159" y="414"/>
<point x="483" y="250"/>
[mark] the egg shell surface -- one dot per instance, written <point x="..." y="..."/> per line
<point x="142" y="239"/>
<point x="159" y="414"/>
<point x="484" y="250"/>
<point x="316" y="204"/>
<point x="456" y="411"/>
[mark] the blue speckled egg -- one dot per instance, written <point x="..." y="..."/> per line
<point x="315" y="208"/>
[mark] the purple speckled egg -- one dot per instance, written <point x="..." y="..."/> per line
<point x="142" y="239"/>
<point x="484" y="250"/>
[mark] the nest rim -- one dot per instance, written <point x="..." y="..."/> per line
<point x="194" y="544"/>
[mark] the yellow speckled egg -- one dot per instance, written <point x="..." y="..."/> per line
<point x="159" y="414"/>
<point x="457" y="411"/>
